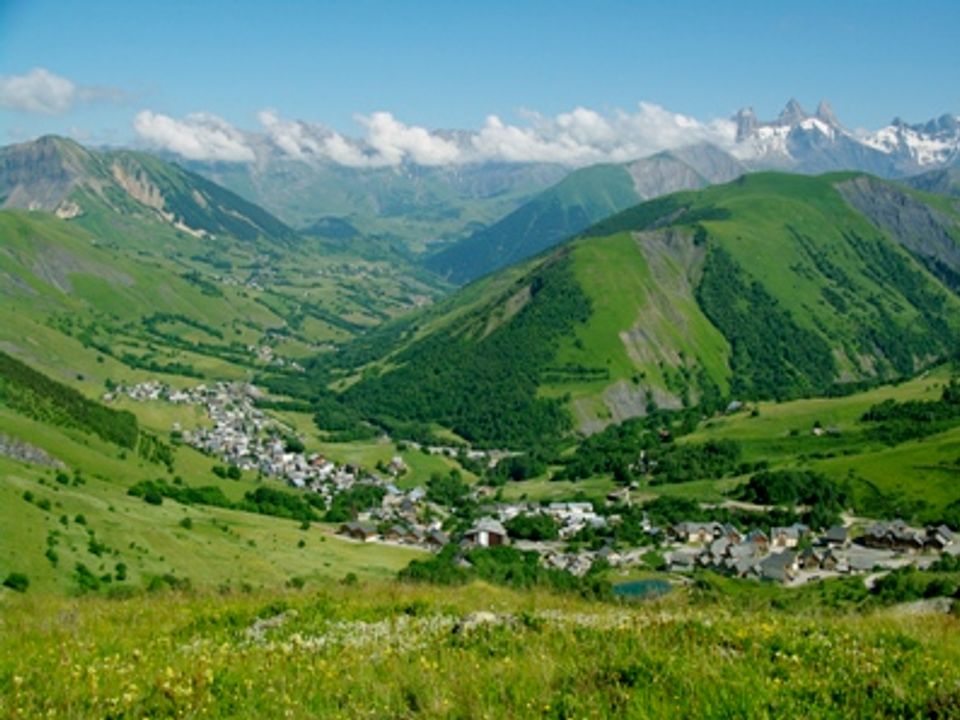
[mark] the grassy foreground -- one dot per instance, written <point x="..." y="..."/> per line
<point x="391" y="650"/>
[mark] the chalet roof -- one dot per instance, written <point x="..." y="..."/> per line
<point x="684" y="557"/>
<point x="488" y="525"/>
<point x="837" y="533"/>
<point x="944" y="532"/>
<point x="775" y="567"/>
<point x="858" y="561"/>
<point x="719" y="546"/>
<point x="791" y="531"/>
<point x="437" y="536"/>
<point x="744" y="565"/>
<point x="358" y="527"/>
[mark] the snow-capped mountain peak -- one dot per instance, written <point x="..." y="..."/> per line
<point x="792" y="114"/>
<point x="826" y="114"/>
<point x="931" y="144"/>
<point x="819" y="142"/>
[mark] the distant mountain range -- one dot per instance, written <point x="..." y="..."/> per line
<point x="424" y="207"/>
<point x="795" y="141"/>
<point x="410" y="206"/>
<point x="818" y="142"/>
<point x="461" y="220"/>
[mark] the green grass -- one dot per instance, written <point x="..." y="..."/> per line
<point x="776" y="419"/>
<point x="370" y="452"/>
<point x="543" y="489"/>
<point x="223" y="546"/>
<point x="67" y="283"/>
<point x="640" y="284"/>
<point x="924" y="472"/>
<point x="387" y="650"/>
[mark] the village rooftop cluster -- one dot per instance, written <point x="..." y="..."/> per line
<point x="244" y="436"/>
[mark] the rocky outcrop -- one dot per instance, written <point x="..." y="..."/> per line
<point x="924" y="231"/>
<point x="25" y="452"/>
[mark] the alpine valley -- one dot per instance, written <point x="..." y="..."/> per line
<point x="655" y="436"/>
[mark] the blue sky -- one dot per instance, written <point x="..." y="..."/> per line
<point x="451" y="64"/>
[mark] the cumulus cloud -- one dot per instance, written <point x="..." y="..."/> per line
<point x="199" y="136"/>
<point x="294" y="139"/>
<point x="579" y="137"/>
<point x="585" y="136"/>
<point x="393" y="142"/>
<point x="545" y="140"/>
<point x="387" y="142"/>
<point x="41" y="91"/>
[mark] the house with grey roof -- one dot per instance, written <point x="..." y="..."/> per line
<point x="683" y="560"/>
<point x="436" y="539"/>
<point x="835" y="536"/>
<point x="779" y="567"/>
<point x="893" y="535"/>
<point x="759" y="538"/>
<point x="696" y="532"/>
<point x="939" y="537"/>
<point x="358" y="531"/>
<point x="487" y="532"/>
<point x="788" y="537"/>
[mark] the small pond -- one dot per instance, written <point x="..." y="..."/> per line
<point x="641" y="589"/>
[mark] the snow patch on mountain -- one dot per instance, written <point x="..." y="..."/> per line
<point x="932" y="144"/>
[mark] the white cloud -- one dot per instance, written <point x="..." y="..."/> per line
<point x="579" y="137"/>
<point x="41" y="91"/>
<point x="292" y="138"/>
<point x="388" y="142"/>
<point x="199" y="136"/>
<point x="393" y="142"/>
<point x="543" y="141"/>
<point x="584" y="136"/>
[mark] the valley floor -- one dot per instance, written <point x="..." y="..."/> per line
<point x="393" y="650"/>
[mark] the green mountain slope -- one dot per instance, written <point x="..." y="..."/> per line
<point x="568" y="207"/>
<point x="773" y="286"/>
<point x="576" y="202"/>
<point x="67" y="464"/>
<point x="35" y="395"/>
<point x="61" y="176"/>
<point x="114" y="263"/>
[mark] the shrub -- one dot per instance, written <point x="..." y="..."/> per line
<point x="16" y="581"/>
<point x="85" y="579"/>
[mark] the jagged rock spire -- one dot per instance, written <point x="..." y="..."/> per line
<point x="792" y="113"/>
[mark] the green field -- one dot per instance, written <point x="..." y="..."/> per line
<point x="220" y="547"/>
<point x="388" y="650"/>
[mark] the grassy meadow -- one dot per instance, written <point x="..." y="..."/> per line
<point x="382" y="650"/>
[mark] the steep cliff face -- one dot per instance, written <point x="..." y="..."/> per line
<point x="931" y="235"/>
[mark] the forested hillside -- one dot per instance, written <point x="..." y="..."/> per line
<point x="773" y="286"/>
